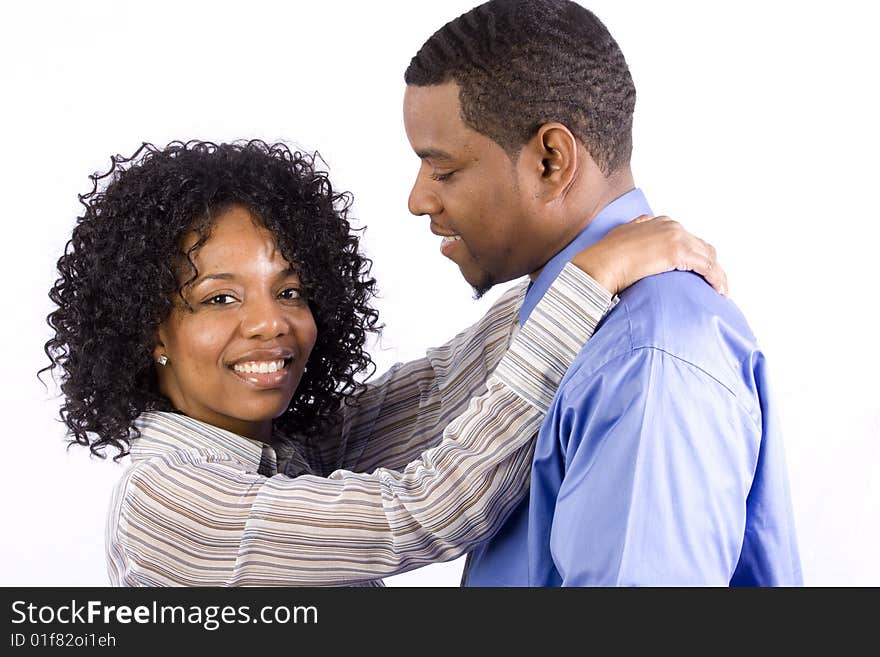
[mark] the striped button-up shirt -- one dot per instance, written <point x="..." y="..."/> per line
<point x="425" y="466"/>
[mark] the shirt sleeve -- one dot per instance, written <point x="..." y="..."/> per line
<point x="405" y="411"/>
<point x="195" y="518"/>
<point x="658" y="462"/>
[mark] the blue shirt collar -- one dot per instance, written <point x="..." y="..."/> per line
<point x="619" y="211"/>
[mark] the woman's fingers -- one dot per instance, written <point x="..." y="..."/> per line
<point x="701" y="257"/>
<point x="716" y="276"/>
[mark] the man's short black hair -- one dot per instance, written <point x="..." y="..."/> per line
<point x="523" y="63"/>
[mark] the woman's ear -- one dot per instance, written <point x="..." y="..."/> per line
<point x="160" y="352"/>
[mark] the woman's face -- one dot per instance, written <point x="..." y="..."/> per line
<point x="235" y="360"/>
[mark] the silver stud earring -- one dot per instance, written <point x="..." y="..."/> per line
<point x="162" y="360"/>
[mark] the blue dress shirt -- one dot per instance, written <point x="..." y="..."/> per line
<point x="660" y="461"/>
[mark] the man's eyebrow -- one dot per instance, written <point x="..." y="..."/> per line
<point x="433" y="154"/>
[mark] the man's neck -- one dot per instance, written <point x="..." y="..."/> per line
<point x="617" y="185"/>
<point x="585" y="205"/>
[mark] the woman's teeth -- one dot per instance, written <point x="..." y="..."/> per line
<point x="261" y="367"/>
<point x="452" y="238"/>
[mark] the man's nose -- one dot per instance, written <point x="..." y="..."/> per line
<point x="423" y="199"/>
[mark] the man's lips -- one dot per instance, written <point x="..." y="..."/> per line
<point x="447" y="245"/>
<point x="441" y="232"/>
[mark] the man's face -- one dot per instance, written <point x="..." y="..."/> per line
<point x="477" y="198"/>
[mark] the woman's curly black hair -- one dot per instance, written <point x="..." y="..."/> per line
<point x="120" y="270"/>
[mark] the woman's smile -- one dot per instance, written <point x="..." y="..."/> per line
<point x="266" y="369"/>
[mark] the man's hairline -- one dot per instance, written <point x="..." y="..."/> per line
<point x="513" y="157"/>
<point x="427" y="153"/>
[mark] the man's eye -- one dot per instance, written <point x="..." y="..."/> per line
<point x="442" y="177"/>
<point x="219" y="300"/>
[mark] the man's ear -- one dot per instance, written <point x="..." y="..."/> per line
<point x="553" y="152"/>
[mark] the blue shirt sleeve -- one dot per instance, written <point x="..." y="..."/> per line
<point x="659" y="458"/>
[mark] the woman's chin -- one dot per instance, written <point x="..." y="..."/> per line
<point x="264" y="412"/>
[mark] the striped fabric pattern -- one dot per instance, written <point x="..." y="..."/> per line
<point x="554" y="336"/>
<point x="194" y="510"/>
<point x="404" y="412"/>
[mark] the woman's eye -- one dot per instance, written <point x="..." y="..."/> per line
<point x="219" y="300"/>
<point x="291" y="294"/>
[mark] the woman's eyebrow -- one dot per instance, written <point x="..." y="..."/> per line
<point x="290" y="271"/>
<point x="223" y="276"/>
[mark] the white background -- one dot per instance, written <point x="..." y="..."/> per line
<point x="756" y="126"/>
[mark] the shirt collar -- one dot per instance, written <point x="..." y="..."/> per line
<point x="165" y="433"/>
<point x="619" y="211"/>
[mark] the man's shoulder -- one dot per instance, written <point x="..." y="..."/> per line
<point x="678" y="315"/>
<point x="679" y="312"/>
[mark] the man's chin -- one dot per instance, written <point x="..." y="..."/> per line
<point x="481" y="286"/>
<point x="480" y="280"/>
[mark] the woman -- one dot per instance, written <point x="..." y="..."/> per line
<point x="212" y="313"/>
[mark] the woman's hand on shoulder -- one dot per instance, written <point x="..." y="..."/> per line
<point x="646" y="246"/>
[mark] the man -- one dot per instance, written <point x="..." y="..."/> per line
<point x="661" y="460"/>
